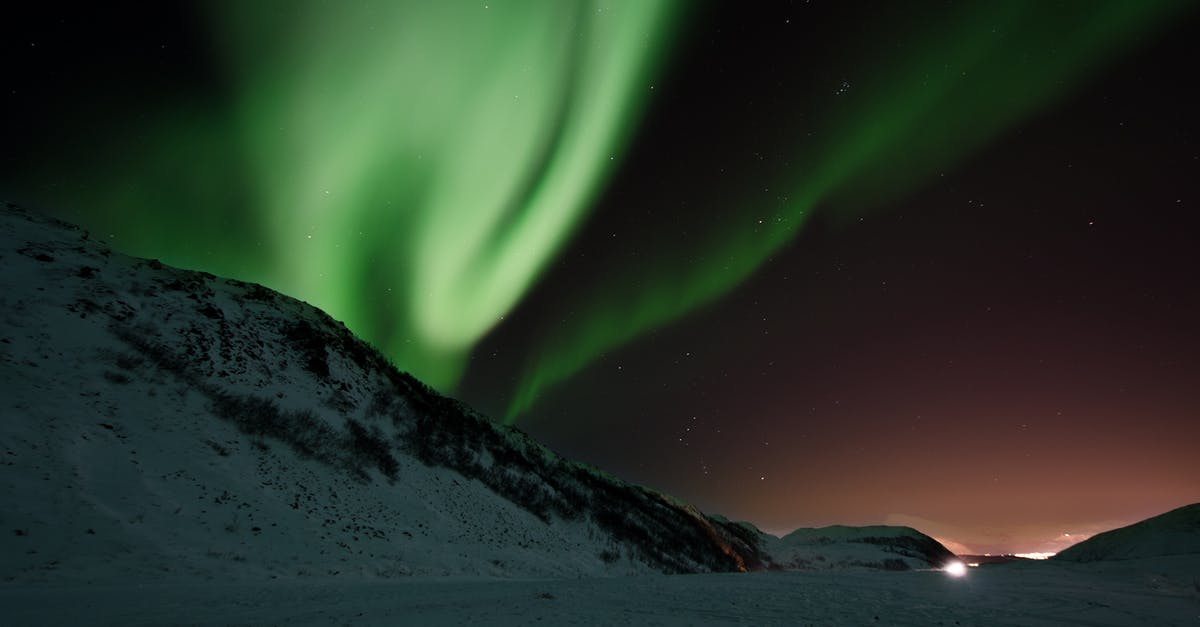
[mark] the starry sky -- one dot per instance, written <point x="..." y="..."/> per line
<point x="799" y="263"/>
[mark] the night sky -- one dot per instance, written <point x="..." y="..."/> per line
<point x="797" y="263"/>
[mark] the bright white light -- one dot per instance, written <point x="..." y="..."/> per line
<point x="955" y="568"/>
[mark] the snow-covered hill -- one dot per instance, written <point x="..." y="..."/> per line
<point x="1176" y="532"/>
<point x="155" y="420"/>
<point x="160" y="421"/>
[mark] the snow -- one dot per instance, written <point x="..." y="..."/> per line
<point x="1157" y="592"/>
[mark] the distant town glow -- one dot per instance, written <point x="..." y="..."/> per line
<point x="1035" y="556"/>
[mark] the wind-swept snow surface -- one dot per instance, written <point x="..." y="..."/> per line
<point x="1043" y="594"/>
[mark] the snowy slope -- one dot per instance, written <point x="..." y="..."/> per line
<point x="1176" y="532"/>
<point x="158" y="421"/>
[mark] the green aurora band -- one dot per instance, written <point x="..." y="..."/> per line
<point x="413" y="167"/>
<point x="918" y="108"/>
<point x="460" y="144"/>
<point x="410" y="167"/>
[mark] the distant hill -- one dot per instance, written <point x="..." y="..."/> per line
<point x="1176" y="532"/>
<point x="839" y="546"/>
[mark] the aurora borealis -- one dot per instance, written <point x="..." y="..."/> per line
<point x="954" y="86"/>
<point x="478" y="137"/>
<point x="433" y="155"/>
<point x="716" y="250"/>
